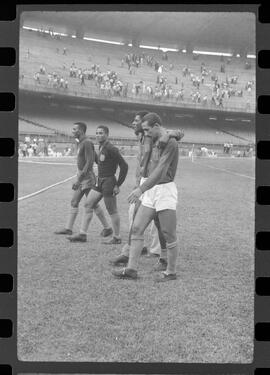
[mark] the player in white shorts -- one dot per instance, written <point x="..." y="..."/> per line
<point x="159" y="196"/>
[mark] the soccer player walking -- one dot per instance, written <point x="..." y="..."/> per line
<point x="158" y="195"/>
<point x="107" y="186"/>
<point x="85" y="181"/>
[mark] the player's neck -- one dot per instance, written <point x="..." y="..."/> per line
<point x="82" y="137"/>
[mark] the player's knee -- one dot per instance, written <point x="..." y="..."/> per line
<point x="136" y="230"/>
<point x="169" y="236"/>
<point x="88" y="208"/>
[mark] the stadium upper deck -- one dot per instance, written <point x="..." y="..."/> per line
<point x="137" y="84"/>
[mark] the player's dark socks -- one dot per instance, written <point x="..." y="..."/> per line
<point x="63" y="231"/>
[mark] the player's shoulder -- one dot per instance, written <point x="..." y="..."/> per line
<point x="87" y="141"/>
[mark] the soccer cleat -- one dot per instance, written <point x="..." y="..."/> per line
<point x="144" y="251"/>
<point x="63" y="231"/>
<point x="164" y="277"/>
<point x="120" y="260"/>
<point x="126" y="273"/>
<point x="113" y="241"/>
<point x="161" y="265"/>
<point x="80" y="237"/>
<point x="106" y="232"/>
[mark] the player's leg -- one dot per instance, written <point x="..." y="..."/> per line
<point x="74" y="210"/>
<point x="167" y="220"/>
<point x="161" y="265"/>
<point x="91" y="201"/>
<point x="142" y="219"/>
<point x="107" y="230"/>
<point x="111" y="206"/>
<point x="122" y="259"/>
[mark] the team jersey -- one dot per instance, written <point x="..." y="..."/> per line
<point x="109" y="158"/>
<point x="163" y="164"/>
<point x="85" y="159"/>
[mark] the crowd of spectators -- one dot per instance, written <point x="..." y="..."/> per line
<point x="32" y="147"/>
<point x="207" y="87"/>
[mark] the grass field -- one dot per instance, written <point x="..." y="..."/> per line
<point x="70" y="308"/>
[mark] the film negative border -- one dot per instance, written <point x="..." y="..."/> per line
<point x="9" y="40"/>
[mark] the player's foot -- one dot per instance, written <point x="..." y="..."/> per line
<point x="113" y="241"/>
<point x="163" y="277"/>
<point x="126" y="273"/>
<point x="120" y="260"/>
<point x="106" y="232"/>
<point x="144" y="251"/>
<point x="161" y="265"/>
<point x="64" y="231"/>
<point x="80" y="237"/>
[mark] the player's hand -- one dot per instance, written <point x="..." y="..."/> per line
<point x="75" y="186"/>
<point x="134" y="195"/>
<point x="116" y="190"/>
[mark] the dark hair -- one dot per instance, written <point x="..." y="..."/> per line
<point x="152" y="118"/>
<point x="141" y="114"/>
<point x="82" y="126"/>
<point x="105" y="128"/>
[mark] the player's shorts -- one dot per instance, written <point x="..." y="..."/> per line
<point x="161" y="197"/>
<point x="105" y="186"/>
<point x="87" y="183"/>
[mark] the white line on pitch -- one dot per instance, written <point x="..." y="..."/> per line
<point x="226" y="170"/>
<point x="46" y="188"/>
<point x="44" y="162"/>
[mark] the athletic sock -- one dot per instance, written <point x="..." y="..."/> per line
<point x="101" y="216"/>
<point x="172" y="258"/>
<point x="115" y="218"/>
<point x="87" y="217"/>
<point x="72" y="217"/>
<point x="135" y="252"/>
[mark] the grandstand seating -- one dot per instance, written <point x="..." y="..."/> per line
<point x="26" y="127"/>
<point x="62" y="121"/>
<point x="86" y="53"/>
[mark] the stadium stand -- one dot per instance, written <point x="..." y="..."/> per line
<point x="136" y="83"/>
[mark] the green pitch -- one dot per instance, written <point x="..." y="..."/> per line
<point x="70" y="308"/>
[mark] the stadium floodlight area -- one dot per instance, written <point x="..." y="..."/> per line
<point x="213" y="53"/>
<point x="104" y="41"/>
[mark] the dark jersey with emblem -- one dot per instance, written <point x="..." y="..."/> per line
<point x="85" y="159"/>
<point x="109" y="158"/>
<point x="163" y="164"/>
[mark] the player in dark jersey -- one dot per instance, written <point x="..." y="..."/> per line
<point x="107" y="186"/>
<point x="85" y="180"/>
<point x="158" y="196"/>
<point x="158" y="242"/>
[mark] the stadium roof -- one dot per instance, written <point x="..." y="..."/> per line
<point x="223" y="31"/>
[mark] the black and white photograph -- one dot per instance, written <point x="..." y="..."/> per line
<point x="136" y="186"/>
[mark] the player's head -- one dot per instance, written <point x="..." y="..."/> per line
<point x="79" y="129"/>
<point x="137" y="122"/>
<point x="151" y="124"/>
<point x="102" y="133"/>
